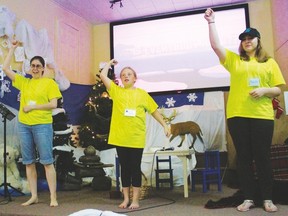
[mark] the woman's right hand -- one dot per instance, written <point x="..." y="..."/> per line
<point x="15" y="43"/>
<point x="113" y="62"/>
<point x="209" y="15"/>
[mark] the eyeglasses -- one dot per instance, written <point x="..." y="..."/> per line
<point x="38" y="66"/>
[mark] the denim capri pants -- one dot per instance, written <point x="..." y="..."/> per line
<point x="36" y="142"/>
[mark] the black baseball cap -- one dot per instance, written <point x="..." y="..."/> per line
<point x="249" y="32"/>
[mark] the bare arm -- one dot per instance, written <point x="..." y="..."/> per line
<point x="6" y="65"/>
<point x="213" y="35"/>
<point x="52" y="104"/>
<point x="160" y="119"/>
<point x="104" y="73"/>
<point x="268" y="92"/>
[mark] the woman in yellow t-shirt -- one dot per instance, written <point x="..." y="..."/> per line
<point x="128" y="128"/>
<point x="39" y="96"/>
<point x="255" y="80"/>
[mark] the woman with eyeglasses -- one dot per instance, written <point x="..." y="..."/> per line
<point x="39" y="96"/>
<point x="255" y="79"/>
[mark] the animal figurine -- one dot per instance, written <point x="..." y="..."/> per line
<point x="183" y="128"/>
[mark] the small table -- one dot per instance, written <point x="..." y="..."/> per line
<point x="183" y="155"/>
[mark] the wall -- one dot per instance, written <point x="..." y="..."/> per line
<point x="280" y="30"/>
<point x="70" y="36"/>
<point x="101" y="38"/>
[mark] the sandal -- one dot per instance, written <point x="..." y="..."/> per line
<point x="269" y="206"/>
<point x="246" y="206"/>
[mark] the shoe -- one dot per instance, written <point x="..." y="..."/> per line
<point x="269" y="206"/>
<point x="246" y="206"/>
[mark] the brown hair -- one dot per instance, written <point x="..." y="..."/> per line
<point x="261" y="55"/>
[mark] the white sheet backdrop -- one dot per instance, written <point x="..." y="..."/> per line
<point x="211" y="119"/>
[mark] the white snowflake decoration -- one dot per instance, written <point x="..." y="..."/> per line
<point x="5" y="87"/>
<point x="192" y="97"/>
<point x="170" y="102"/>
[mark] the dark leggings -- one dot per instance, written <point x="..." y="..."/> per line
<point x="130" y="162"/>
<point x="252" y="139"/>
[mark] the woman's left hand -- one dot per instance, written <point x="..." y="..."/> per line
<point x="258" y="92"/>
<point x="27" y="108"/>
<point x="167" y="131"/>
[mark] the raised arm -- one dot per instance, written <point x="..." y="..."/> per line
<point x="6" y="65"/>
<point x="213" y="35"/>
<point x="104" y="73"/>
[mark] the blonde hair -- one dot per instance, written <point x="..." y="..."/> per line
<point x="129" y="68"/>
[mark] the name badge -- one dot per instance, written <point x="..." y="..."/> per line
<point x="31" y="103"/>
<point x="130" y="112"/>
<point x="254" y="82"/>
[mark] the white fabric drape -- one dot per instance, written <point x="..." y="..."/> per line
<point x="7" y="18"/>
<point x="211" y="119"/>
<point x="34" y="42"/>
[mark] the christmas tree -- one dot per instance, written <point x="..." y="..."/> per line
<point x="96" y="128"/>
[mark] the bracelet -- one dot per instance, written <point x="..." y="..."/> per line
<point x="210" y="22"/>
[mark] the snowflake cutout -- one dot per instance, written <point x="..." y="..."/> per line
<point x="5" y="87"/>
<point x="192" y="97"/>
<point x="170" y="102"/>
<point x="19" y="96"/>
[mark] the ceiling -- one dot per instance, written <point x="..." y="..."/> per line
<point x="99" y="11"/>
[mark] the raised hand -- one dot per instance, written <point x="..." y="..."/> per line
<point x="209" y="15"/>
<point x="15" y="43"/>
<point x="113" y="62"/>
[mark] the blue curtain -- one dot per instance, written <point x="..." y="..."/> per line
<point x="74" y="99"/>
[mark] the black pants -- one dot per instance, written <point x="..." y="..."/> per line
<point x="130" y="162"/>
<point x="252" y="139"/>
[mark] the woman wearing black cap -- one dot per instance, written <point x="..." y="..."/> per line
<point x="255" y="80"/>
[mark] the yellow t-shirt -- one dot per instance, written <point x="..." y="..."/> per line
<point x="245" y="76"/>
<point x="36" y="91"/>
<point x="125" y="130"/>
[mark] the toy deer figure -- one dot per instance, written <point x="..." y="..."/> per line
<point x="183" y="128"/>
